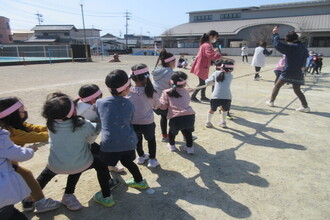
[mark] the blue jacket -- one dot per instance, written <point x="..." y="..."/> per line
<point x="12" y="186"/>
<point x="295" y="59"/>
<point x="116" y="114"/>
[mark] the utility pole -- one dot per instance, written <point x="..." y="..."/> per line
<point x="85" y="40"/>
<point x="128" y="17"/>
<point x="39" y="17"/>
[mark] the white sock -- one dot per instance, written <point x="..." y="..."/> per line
<point x="224" y="115"/>
<point x="209" y="117"/>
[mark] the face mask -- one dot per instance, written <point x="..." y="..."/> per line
<point x="213" y="41"/>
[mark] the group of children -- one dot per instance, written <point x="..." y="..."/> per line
<point x="314" y="63"/>
<point x="124" y="119"/>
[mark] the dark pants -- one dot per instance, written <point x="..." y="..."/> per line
<point x="277" y="74"/>
<point x="246" y="57"/>
<point x="103" y="177"/>
<point x="9" y="212"/>
<point x="186" y="133"/>
<point x="296" y="89"/>
<point x="201" y="83"/>
<point x="163" y="124"/>
<point x="257" y="68"/>
<point x="127" y="160"/>
<point x="148" y="131"/>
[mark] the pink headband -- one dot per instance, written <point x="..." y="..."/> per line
<point x="11" y="109"/>
<point x="89" y="98"/>
<point x="227" y="66"/>
<point x="140" y="71"/>
<point x="169" y="59"/>
<point x="122" y="88"/>
<point x="179" y="82"/>
<point x="69" y="115"/>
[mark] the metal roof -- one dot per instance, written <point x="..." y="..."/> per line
<point x="54" y="28"/>
<point x="315" y="23"/>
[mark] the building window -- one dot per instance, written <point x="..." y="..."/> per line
<point x="8" y="27"/>
<point x="203" y="18"/>
<point x="45" y="34"/>
<point x="230" y="15"/>
<point x="66" y="34"/>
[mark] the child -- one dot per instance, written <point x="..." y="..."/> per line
<point x="320" y="62"/>
<point x="279" y="67"/>
<point x="70" y="136"/>
<point x="161" y="81"/>
<point x="180" y="114"/>
<point x="88" y="94"/>
<point x="12" y="186"/>
<point x="221" y="95"/>
<point x="316" y="64"/>
<point x="118" y="137"/>
<point x="182" y="62"/>
<point x="144" y="99"/>
<point x="12" y="117"/>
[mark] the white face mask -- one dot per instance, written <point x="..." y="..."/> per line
<point x="213" y="41"/>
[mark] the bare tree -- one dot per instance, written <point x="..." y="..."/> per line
<point x="262" y="33"/>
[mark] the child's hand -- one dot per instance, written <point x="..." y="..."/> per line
<point x="34" y="147"/>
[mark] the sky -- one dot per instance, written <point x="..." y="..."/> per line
<point x="147" y="17"/>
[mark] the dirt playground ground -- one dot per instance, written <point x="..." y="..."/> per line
<point x="271" y="163"/>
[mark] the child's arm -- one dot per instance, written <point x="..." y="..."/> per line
<point x="155" y="101"/>
<point x="211" y="79"/>
<point x="13" y="152"/>
<point x="36" y="128"/>
<point x="164" y="101"/>
<point x="21" y="137"/>
<point x="92" y="131"/>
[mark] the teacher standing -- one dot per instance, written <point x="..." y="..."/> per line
<point x="202" y="62"/>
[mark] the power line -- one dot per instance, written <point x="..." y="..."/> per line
<point x="40" y="18"/>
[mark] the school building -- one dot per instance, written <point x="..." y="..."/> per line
<point x="249" y="25"/>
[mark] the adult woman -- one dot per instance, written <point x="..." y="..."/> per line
<point x="258" y="59"/>
<point x="296" y="54"/>
<point x="202" y="62"/>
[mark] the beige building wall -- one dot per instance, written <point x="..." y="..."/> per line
<point x="5" y="33"/>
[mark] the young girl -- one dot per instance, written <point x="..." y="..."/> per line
<point x="279" y="67"/>
<point x="161" y="81"/>
<point x="70" y="136"/>
<point x="221" y="95"/>
<point x="12" y="117"/>
<point x="180" y="114"/>
<point x="144" y="99"/>
<point x="88" y="94"/>
<point x="118" y="136"/>
<point x="258" y="59"/>
<point x="12" y="186"/>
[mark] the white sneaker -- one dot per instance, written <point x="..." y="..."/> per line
<point x="71" y="202"/>
<point x="269" y="103"/>
<point x="189" y="150"/>
<point x="303" y="109"/>
<point x="153" y="163"/>
<point x="208" y="125"/>
<point x="45" y="205"/>
<point x="172" y="147"/>
<point x="223" y="124"/>
<point x="141" y="160"/>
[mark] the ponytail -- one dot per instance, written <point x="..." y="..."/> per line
<point x="206" y="36"/>
<point x="221" y="76"/>
<point x="163" y="55"/>
<point x="178" y="81"/>
<point x="148" y="87"/>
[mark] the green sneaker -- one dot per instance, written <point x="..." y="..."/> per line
<point x="107" y="202"/>
<point x="141" y="185"/>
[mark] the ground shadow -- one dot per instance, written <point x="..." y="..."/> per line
<point x="262" y="111"/>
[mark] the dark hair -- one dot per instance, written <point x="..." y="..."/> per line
<point x="115" y="79"/>
<point x="163" y="55"/>
<point x="88" y="90"/>
<point x="56" y="107"/>
<point x="13" y="120"/>
<point x="291" y="36"/>
<point x="176" y="77"/>
<point x="149" y="88"/>
<point x="206" y="36"/>
<point x="262" y="44"/>
<point x="221" y="65"/>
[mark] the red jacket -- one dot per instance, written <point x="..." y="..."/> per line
<point x="203" y="59"/>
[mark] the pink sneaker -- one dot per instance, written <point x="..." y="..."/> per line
<point x="71" y="202"/>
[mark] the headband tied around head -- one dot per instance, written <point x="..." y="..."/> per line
<point x="123" y="87"/>
<point x="69" y="115"/>
<point x="167" y="60"/>
<point x="11" y="109"/>
<point x="179" y="83"/>
<point x="140" y="71"/>
<point x="227" y="66"/>
<point x="93" y="96"/>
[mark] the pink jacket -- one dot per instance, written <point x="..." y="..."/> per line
<point x="203" y="59"/>
<point x="176" y="106"/>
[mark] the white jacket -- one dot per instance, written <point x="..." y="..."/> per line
<point x="259" y="56"/>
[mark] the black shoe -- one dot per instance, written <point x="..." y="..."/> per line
<point x="205" y="99"/>
<point x="27" y="205"/>
<point x="194" y="99"/>
<point x="113" y="183"/>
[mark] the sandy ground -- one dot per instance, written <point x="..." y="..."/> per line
<point x="271" y="163"/>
